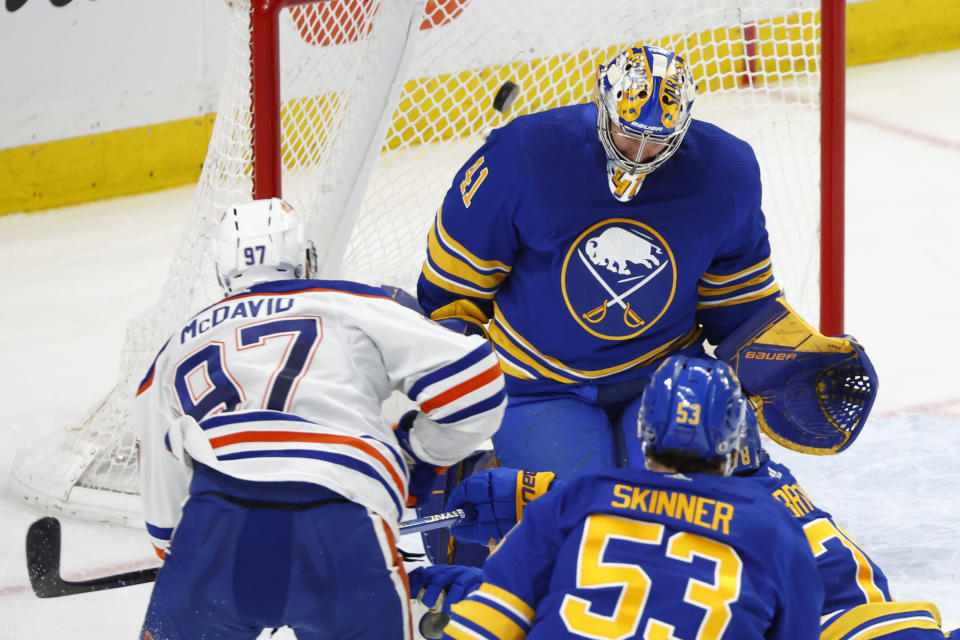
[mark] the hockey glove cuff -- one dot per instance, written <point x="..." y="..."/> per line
<point x="461" y="316"/>
<point x="424" y="476"/>
<point x="498" y="497"/>
<point x="403" y="298"/>
<point x="455" y="582"/>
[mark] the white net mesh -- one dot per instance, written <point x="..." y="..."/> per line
<point x="382" y="102"/>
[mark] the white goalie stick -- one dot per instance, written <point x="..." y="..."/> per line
<point x="43" y="557"/>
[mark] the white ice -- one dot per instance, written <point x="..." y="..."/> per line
<point x="73" y="277"/>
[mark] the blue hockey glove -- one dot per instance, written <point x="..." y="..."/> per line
<point x="424" y="476"/>
<point x="498" y="497"/>
<point x="402" y="297"/>
<point x="453" y="580"/>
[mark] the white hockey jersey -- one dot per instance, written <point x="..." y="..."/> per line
<point x="284" y="382"/>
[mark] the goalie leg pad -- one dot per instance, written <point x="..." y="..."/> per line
<point x="812" y="393"/>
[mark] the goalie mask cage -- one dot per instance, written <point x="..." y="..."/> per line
<point x="359" y="112"/>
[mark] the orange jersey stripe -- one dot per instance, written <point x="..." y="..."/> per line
<point x="300" y="436"/>
<point x="399" y="565"/>
<point x="461" y="389"/>
<point x="146" y="383"/>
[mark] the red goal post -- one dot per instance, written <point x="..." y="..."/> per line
<point x="359" y="112"/>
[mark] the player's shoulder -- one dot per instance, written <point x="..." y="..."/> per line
<point x="723" y="150"/>
<point x="548" y="131"/>
<point x="775" y="473"/>
<point x="305" y="286"/>
<point x="621" y="482"/>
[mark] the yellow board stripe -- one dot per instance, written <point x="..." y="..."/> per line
<point x="115" y="163"/>
<point x="107" y="165"/>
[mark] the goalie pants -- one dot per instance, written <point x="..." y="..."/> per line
<point x="573" y="428"/>
<point x="583" y="428"/>
<point x="327" y="568"/>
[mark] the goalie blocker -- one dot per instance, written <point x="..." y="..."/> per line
<point x="812" y="393"/>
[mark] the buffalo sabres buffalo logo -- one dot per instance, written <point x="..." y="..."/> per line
<point x="618" y="279"/>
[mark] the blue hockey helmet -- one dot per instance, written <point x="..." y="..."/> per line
<point x="693" y="406"/>
<point x="751" y="454"/>
<point x="643" y="96"/>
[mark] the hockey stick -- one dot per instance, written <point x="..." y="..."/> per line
<point x="43" y="557"/>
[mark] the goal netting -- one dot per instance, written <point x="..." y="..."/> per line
<point x="359" y="112"/>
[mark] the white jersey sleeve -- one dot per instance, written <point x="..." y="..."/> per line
<point x="286" y="381"/>
<point x="164" y="480"/>
<point x="454" y="379"/>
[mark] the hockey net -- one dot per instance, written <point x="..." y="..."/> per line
<point x="363" y="111"/>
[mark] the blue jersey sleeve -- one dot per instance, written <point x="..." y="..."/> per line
<point x="740" y="277"/>
<point x="516" y="577"/>
<point x="471" y="245"/>
<point x="850" y="576"/>
<point x="802" y="595"/>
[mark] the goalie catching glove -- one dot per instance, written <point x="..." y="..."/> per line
<point x="812" y="393"/>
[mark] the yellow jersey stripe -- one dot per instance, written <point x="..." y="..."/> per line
<point x="883" y="629"/>
<point x="915" y="614"/>
<point x="449" y="263"/>
<point x="710" y="278"/>
<point x="449" y="285"/>
<point x="507" y="600"/>
<point x="707" y="291"/>
<point x="459" y="632"/>
<point x="497" y="623"/>
<point x="474" y="261"/>
<point x="774" y="288"/>
<point x="506" y="338"/>
<point x="506" y="347"/>
<point x="513" y="370"/>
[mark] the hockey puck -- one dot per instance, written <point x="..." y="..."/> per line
<point x="505" y="96"/>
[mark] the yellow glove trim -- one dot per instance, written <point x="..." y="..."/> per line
<point x="791" y="330"/>
<point x="465" y="310"/>
<point x="530" y="486"/>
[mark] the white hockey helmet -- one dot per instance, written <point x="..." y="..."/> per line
<point x="261" y="241"/>
<point x="644" y="95"/>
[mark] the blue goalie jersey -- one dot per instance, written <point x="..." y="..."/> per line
<point x="580" y="286"/>
<point x="638" y="554"/>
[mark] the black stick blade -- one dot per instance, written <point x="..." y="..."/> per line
<point x="43" y="557"/>
<point x="43" y="566"/>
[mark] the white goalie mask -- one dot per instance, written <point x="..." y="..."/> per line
<point x="643" y="97"/>
<point x="261" y="241"/>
